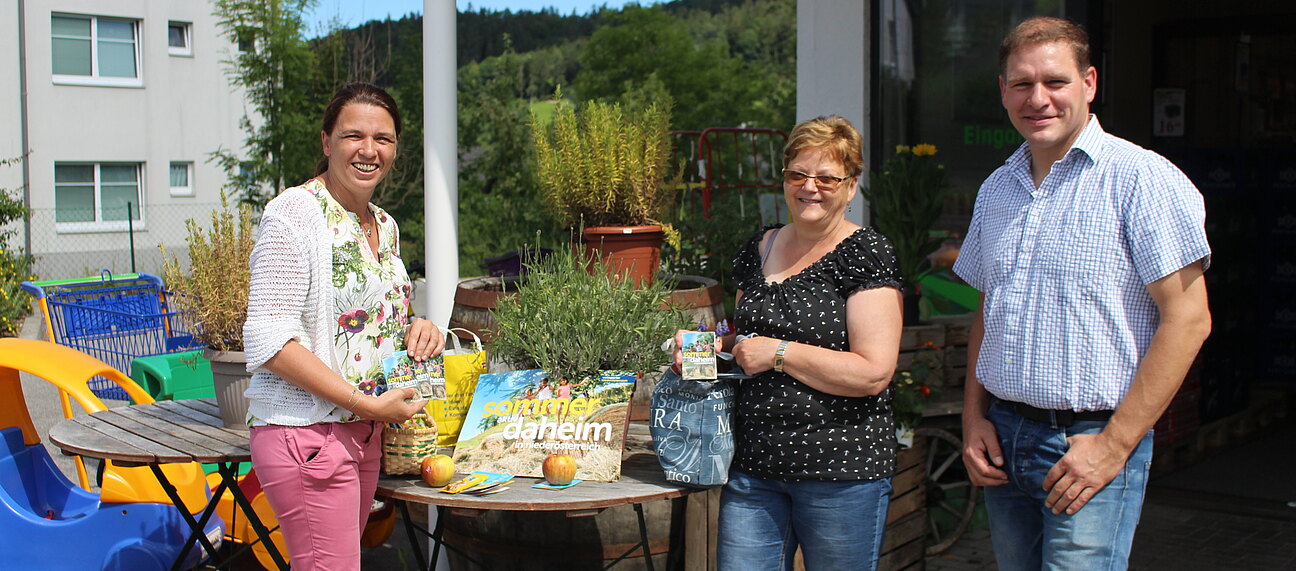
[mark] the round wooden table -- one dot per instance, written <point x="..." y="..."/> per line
<point x="166" y="432"/>
<point x="641" y="481"/>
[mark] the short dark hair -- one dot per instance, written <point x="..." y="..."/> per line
<point x="358" y="92"/>
<point x="832" y="133"/>
<point x="1044" y="30"/>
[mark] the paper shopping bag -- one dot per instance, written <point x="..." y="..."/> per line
<point x="463" y="365"/>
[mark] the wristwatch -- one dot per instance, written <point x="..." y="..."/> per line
<point x="778" y="355"/>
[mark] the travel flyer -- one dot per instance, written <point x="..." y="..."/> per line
<point x="427" y="378"/>
<point x="698" y="350"/>
<point x="518" y="418"/>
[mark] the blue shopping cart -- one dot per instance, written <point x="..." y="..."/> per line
<point x="114" y="318"/>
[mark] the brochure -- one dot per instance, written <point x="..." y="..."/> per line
<point x="478" y="483"/>
<point x="543" y="485"/>
<point x="698" y="350"/>
<point x="427" y="378"/>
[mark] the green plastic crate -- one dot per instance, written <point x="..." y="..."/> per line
<point x="174" y="376"/>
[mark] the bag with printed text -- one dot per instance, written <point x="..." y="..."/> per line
<point x="463" y="366"/>
<point x="692" y="429"/>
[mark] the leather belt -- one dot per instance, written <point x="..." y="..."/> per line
<point x="1057" y="417"/>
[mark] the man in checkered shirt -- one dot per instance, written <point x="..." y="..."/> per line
<point x="1088" y="252"/>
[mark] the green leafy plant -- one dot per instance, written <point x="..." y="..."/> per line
<point x="906" y="196"/>
<point x="708" y="245"/>
<point x="912" y="389"/>
<point x="497" y="189"/>
<point x="606" y="166"/>
<point x="574" y="323"/>
<point x="276" y="69"/>
<point x="15" y="264"/>
<point x="215" y="289"/>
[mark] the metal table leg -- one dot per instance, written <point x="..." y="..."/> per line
<point x="434" y="535"/>
<point x="409" y="532"/>
<point x="195" y="526"/>
<point x="643" y="542"/>
<point x="229" y="474"/>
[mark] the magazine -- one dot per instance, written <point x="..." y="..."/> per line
<point x="427" y="378"/>
<point x="518" y="418"/>
<point x="698" y="350"/>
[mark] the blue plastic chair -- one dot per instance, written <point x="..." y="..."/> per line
<point x="47" y="522"/>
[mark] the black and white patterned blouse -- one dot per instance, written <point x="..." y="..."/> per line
<point x="787" y="430"/>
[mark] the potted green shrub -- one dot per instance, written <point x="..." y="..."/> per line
<point x="574" y="323"/>
<point x="604" y="171"/>
<point x="906" y="196"/>
<point x="214" y="291"/>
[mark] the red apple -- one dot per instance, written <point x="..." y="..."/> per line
<point x="559" y="469"/>
<point x="438" y="470"/>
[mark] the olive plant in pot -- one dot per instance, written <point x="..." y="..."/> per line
<point x="214" y="292"/>
<point x="603" y="171"/>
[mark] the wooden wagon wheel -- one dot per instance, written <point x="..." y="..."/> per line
<point x="951" y="497"/>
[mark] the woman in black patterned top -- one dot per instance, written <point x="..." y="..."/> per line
<point x="814" y="430"/>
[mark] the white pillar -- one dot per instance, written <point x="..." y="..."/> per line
<point x="440" y="159"/>
<point x="440" y="173"/>
<point x="833" y="70"/>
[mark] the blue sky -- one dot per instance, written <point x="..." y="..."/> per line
<point x="355" y="12"/>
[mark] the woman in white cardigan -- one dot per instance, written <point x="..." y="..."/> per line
<point x="330" y="300"/>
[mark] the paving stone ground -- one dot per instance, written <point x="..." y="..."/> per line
<point x="1172" y="536"/>
<point x="1233" y="511"/>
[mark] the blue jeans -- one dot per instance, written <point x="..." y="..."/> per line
<point x="837" y="524"/>
<point x="1026" y="534"/>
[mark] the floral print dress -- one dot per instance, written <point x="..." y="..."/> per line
<point x="371" y="296"/>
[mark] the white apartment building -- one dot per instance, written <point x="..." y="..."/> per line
<point x="117" y="105"/>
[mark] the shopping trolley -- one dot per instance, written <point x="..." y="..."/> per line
<point x="114" y="318"/>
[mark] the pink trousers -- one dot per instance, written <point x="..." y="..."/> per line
<point x="320" y="480"/>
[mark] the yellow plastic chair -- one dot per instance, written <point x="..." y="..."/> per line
<point x="70" y="370"/>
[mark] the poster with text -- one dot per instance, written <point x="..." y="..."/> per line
<point x="518" y="418"/>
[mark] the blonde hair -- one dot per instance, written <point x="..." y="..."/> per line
<point x="832" y="133"/>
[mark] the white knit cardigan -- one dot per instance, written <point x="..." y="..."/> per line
<point x="291" y="298"/>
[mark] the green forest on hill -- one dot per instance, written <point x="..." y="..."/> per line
<point x="720" y="63"/>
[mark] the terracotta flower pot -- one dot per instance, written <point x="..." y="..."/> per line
<point x="631" y="251"/>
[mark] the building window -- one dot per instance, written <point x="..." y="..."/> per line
<point x="179" y="36"/>
<point x="96" y="196"/>
<point x="246" y="39"/>
<point x="89" y="50"/>
<point x="182" y="179"/>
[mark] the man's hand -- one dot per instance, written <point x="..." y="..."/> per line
<point x="981" y="453"/>
<point x="1091" y="462"/>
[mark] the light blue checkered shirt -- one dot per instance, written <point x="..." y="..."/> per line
<point x="1064" y="268"/>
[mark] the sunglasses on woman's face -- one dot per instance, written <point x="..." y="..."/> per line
<point x="823" y="181"/>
